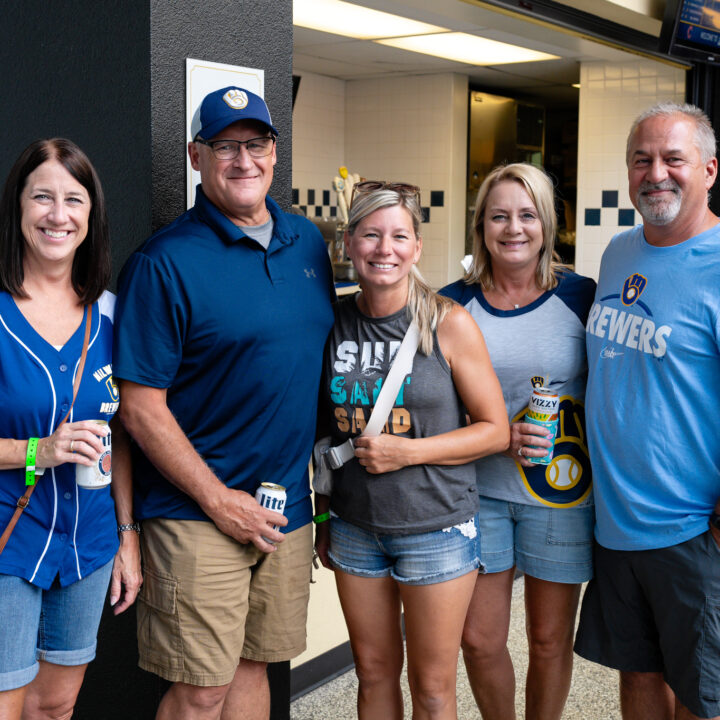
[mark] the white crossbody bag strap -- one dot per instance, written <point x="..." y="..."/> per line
<point x="337" y="456"/>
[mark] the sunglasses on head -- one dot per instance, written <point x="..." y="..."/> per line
<point x="372" y="185"/>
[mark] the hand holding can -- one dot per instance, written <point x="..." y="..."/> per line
<point x="543" y="411"/>
<point x="99" y="474"/>
<point x="272" y="497"/>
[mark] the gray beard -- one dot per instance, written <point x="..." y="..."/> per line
<point x="659" y="212"/>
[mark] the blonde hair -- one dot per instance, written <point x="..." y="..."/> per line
<point x="424" y="306"/>
<point x="538" y="186"/>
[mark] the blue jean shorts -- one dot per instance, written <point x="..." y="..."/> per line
<point x="58" y="625"/>
<point x="553" y="544"/>
<point x="419" y="559"/>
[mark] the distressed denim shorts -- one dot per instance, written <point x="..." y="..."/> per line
<point x="419" y="559"/>
<point x="58" y="625"/>
<point x="553" y="544"/>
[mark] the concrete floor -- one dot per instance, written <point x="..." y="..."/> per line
<point x="593" y="695"/>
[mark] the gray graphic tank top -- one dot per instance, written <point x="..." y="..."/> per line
<point x="417" y="498"/>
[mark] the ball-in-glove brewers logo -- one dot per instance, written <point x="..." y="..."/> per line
<point x="236" y="99"/>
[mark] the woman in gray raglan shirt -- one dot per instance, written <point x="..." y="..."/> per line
<point x="536" y="518"/>
<point x="403" y="525"/>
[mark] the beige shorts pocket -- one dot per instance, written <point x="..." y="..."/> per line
<point x="158" y="629"/>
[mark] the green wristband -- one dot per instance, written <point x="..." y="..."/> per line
<point x="324" y="517"/>
<point x="30" y="461"/>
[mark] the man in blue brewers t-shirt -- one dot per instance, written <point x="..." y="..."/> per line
<point x="221" y="321"/>
<point x="653" y="397"/>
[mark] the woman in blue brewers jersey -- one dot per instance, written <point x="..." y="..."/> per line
<point x="401" y="531"/>
<point x="64" y="550"/>
<point x="535" y="518"/>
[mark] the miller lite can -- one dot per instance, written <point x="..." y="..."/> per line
<point x="98" y="475"/>
<point x="543" y="410"/>
<point x="272" y="497"/>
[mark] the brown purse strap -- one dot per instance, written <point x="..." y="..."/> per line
<point x="24" y="499"/>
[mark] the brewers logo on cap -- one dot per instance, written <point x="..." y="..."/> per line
<point x="236" y="99"/>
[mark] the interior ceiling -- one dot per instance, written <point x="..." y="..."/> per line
<point x="351" y="59"/>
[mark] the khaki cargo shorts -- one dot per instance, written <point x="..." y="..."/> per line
<point x="208" y="600"/>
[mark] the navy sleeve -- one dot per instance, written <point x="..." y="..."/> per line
<point x="455" y="291"/>
<point x="578" y="293"/>
<point x="150" y="325"/>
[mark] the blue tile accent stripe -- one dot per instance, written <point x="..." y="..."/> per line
<point x="609" y="198"/>
<point x="626" y="217"/>
<point x="592" y="216"/>
<point x="437" y="198"/>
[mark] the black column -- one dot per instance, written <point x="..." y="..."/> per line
<point x="111" y="77"/>
<point x="80" y="69"/>
<point x="703" y="89"/>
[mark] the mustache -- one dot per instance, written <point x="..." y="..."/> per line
<point x="668" y="184"/>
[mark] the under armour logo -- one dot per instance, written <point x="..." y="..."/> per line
<point x="310" y="273"/>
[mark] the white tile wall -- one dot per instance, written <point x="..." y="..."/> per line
<point x="612" y="95"/>
<point x="318" y="135"/>
<point x="414" y="129"/>
<point x="411" y="129"/>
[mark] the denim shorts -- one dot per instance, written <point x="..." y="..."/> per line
<point x="419" y="559"/>
<point x="658" y="611"/>
<point x="58" y="625"/>
<point x="553" y="544"/>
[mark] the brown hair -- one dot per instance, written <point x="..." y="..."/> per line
<point x="91" y="268"/>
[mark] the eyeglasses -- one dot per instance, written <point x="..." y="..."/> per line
<point x="229" y="149"/>
<point x="370" y="185"/>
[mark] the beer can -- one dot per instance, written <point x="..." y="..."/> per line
<point x="271" y="496"/>
<point x="98" y="475"/>
<point x="542" y="410"/>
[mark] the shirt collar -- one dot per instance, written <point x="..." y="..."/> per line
<point x="231" y="233"/>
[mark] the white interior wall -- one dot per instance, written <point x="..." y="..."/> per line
<point x="318" y="141"/>
<point x="410" y="129"/>
<point x="414" y="129"/>
<point x="612" y="95"/>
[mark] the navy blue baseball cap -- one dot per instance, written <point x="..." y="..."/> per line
<point x="223" y="107"/>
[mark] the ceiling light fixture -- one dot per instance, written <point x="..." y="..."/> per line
<point x="355" y="21"/>
<point x="467" y="49"/>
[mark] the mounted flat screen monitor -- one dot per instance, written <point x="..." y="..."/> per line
<point x="691" y="29"/>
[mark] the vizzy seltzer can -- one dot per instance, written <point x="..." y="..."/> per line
<point x="273" y="497"/>
<point x="543" y="408"/>
<point x="99" y="474"/>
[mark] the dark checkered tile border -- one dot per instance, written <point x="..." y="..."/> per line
<point x="610" y="204"/>
<point x="309" y="201"/>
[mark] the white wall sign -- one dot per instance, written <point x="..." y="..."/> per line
<point x="201" y="78"/>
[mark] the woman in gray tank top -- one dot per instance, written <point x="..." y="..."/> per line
<point x="402" y="529"/>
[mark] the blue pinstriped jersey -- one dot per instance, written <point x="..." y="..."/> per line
<point x="66" y="531"/>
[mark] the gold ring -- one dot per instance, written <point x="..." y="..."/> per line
<point x="72" y="442"/>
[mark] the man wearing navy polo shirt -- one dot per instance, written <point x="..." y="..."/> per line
<point x="221" y="321"/>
